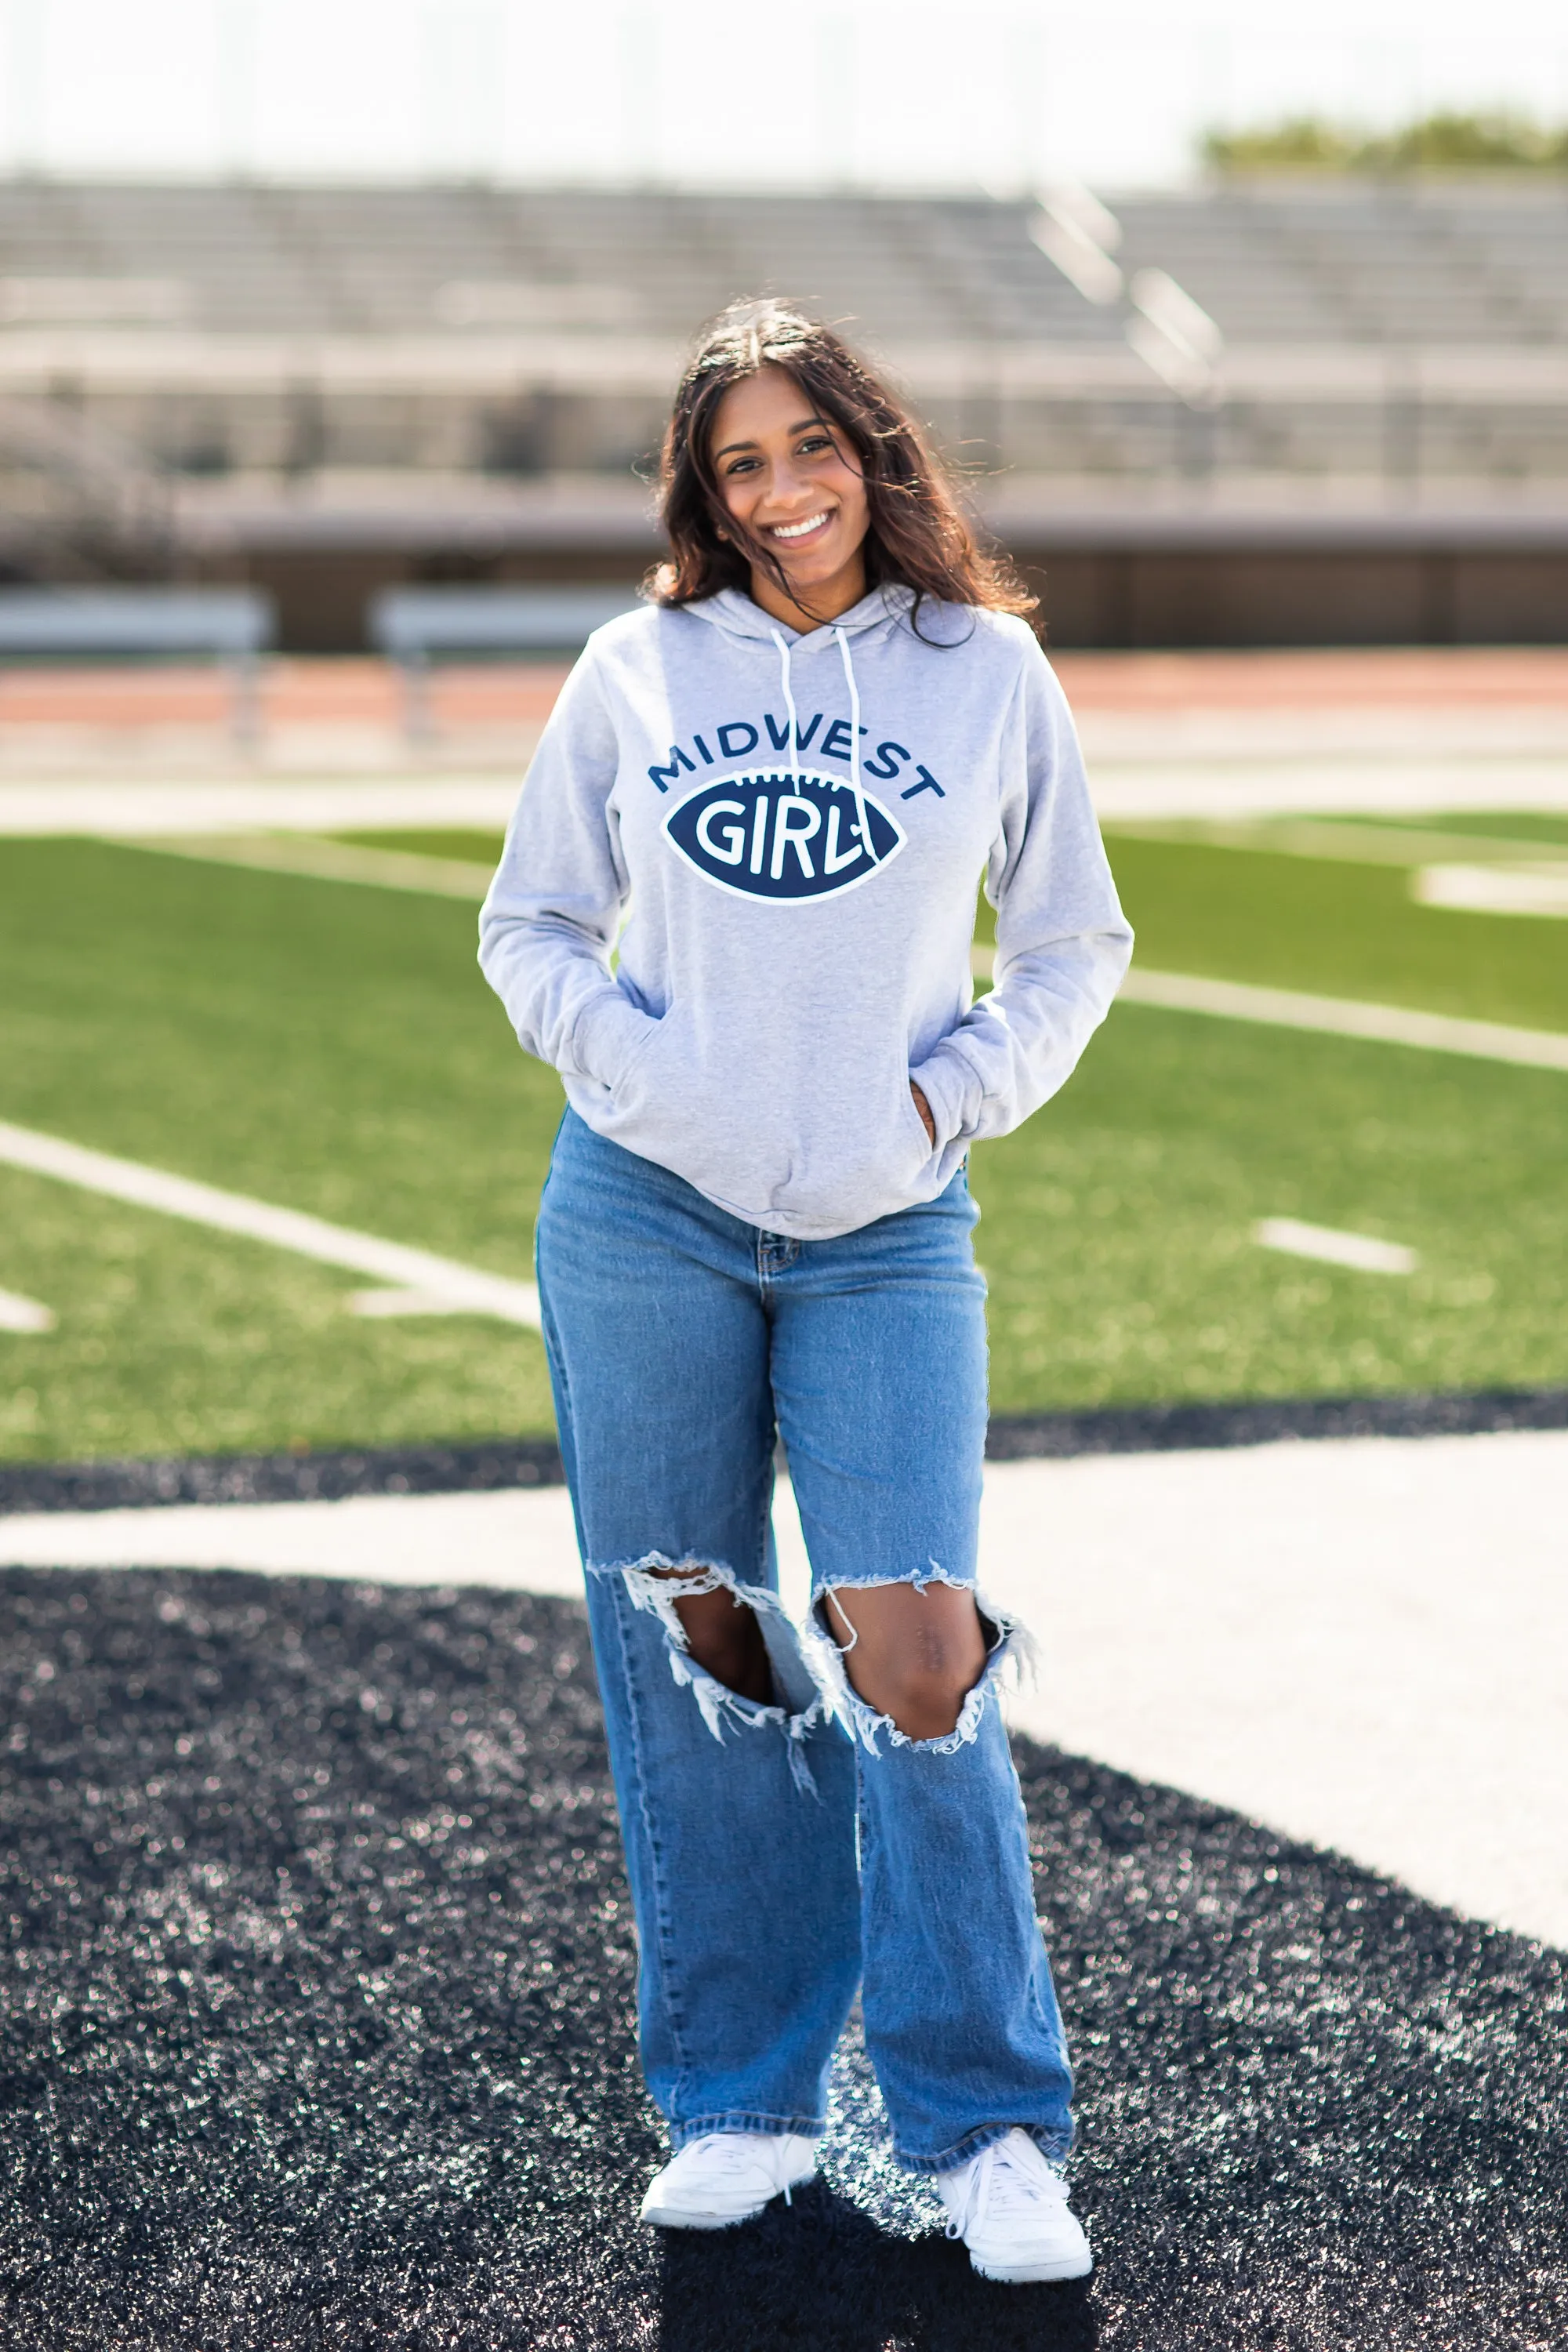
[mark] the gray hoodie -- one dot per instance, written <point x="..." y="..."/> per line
<point x="799" y="824"/>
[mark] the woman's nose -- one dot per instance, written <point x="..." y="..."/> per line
<point x="787" y="490"/>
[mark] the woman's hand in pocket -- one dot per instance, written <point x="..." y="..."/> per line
<point x="925" y="1109"/>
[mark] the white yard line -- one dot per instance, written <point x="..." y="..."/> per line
<point x="519" y="1537"/>
<point x="1537" y="888"/>
<point x="465" y="1287"/>
<point x="1339" y="841"/>
<point x="379" y="1304"/>
<point x="1292" y="734"/>
<point x="19" y="1314"/>
<point x="1333" y="1016"/>
<point x="1337" y="1016"/>
<point x="324" y="860"/>
<point x="1363" y="1251"/>
<point x="1206" y="787"/>
<point x="124" y="811"/>
<point x="1359" y="1642"/>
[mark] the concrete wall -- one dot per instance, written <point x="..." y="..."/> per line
<point x="1124" y="596"/>
<point x="1131" y="596"/>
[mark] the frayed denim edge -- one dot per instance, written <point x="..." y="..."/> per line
<point x="1055" y="2147"/>
<point x="692" y="2128"/>
<point x="655" y="1595"/>
<point x="1014" y="1648"/>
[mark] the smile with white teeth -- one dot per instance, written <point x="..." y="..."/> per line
<point x="799" y="530"/>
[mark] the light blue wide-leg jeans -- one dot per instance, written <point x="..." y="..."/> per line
<point x="780" y="1856"/>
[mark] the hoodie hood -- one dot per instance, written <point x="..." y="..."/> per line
<point x="733" y="613"/>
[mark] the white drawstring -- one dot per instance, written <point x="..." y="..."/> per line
<point x="783" y="644"/>
<point x="860" y="817"/>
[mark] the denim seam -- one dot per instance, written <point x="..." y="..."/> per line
<point x="746" y="2120"/>
<point x="1065" y="2146"/>
<point x="764" y="1514"/>
<point x="656" y="1872"/>
<point x="1053" y="2146"/>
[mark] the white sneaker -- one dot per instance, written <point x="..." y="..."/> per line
<point x="1009" y="2205"/>
<point x="726" y="2177"/>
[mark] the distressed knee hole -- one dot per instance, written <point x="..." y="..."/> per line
<point x="923" y="1680"/>
<point x="735" y="1648"/>
<point x="721" y="1632"/>
<point x="914" y="1653"/>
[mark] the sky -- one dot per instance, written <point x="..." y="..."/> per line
<point x="1004" y="94"/>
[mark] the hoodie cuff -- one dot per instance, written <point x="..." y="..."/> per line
<point x="953" y="1090"/>
<point x="609" y="1030"/>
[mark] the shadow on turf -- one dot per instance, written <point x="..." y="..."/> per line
<point x="821" y="2273"/>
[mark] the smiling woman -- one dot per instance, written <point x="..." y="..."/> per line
<point x="794" y="494"/>
<point x="757" y="1226"/>
<point x="791" y="471"/>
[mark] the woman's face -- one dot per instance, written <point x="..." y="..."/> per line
<point x="790" y="479"/>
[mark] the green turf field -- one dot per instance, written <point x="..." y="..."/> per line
<point x="331" y="1046"/>
<point x="319" y="1045"/>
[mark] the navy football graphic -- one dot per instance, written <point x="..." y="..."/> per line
<point x="773" y="835"/>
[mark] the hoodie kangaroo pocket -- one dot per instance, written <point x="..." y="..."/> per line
<point x="914" y="1127"/>
<point x="659" y="1089"/>
<point x="829" y="1141"/>
<point x="628" y="1093"/>
<point x="689" y="1110"/>
<point x="627" y="1079"/>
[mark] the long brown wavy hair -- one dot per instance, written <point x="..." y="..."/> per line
<point x="918" y="537"/>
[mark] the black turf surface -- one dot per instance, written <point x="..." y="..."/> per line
<point x="437" y="1469"/>
<point x="316" y="1978"/>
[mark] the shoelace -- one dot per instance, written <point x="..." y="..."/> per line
<point x="1004" y="2181"/>
<point x="736" y="2160"/>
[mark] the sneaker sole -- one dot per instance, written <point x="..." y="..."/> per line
<point x="671" y="2217"/>
<point x="679" y="2217"/>
<point x="1072" y="2266"/>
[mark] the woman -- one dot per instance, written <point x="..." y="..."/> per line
<point x="795" y="764"/>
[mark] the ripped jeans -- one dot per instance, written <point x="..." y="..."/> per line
<point x="782" y="1856"/>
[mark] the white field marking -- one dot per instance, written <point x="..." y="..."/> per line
<point x="330" y="861"/>
<point x="519" y="1537"/>
<point x="1538" y="888"/>
<point x="1367" y="1254"/>
<point x="19" y="1314"/>
<point x="131" y="811"/>
<point x="1296" y="1631"/>
<point x="1206" y="787"/>
<point x="1334" y="1016"/>
<point x="1483" y="737"/>
<point x="1359" y="1641"/>
<point x="465" y="1288"/>
<point x="378" y="1304"/>
<point x="1339" y="1016"/>
<point x="1343" y="842"/>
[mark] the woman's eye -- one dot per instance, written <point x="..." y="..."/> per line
<point x="812" y="448"/>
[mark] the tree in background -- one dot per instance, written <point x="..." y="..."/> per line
<point x="1437" y="142"/>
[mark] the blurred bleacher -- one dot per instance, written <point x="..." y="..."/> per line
<point x="328" y="389"/>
